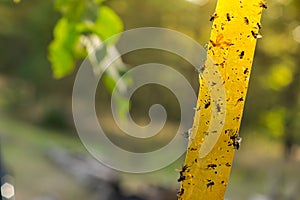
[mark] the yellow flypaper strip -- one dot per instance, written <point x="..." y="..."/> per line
<point x="214" y="136"/>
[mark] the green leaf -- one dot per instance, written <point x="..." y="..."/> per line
<point x="62" y="47"/>
<point x="274" y="121"/>
<point x="108" y="23"/>
<point x="80" y="17"/>
<point x="279" y="77"/>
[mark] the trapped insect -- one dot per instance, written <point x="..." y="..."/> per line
<point x="212" y="166"/>
<point x="182" y="177"/>
<point x="258" y="25"/>
<point x="246" y="20"/>
<point x="213" y="17"/>
<point x="210" y="183"/>
<point x="228" y="17"/>
<point x="263" y="5"/>
<point x="180" y="192"/>
<point x="236" y="141"/>
<point x="242" y="54"/>
<point x="256" y="35"/>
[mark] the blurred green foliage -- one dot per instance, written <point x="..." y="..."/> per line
<point x="79" y="18"/>
<point x="274" y="120"/>
<point x="62" y="48"/>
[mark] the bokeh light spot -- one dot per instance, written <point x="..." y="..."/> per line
<point x="296" y="34"/>
<point x="279" y="77"/>
<point x="7" y="190"/>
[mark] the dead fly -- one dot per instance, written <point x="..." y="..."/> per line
<point x="262" y="5"/>
<point x="207" y="104"/>
<point x="246" y="20"/>
<point x="219" y="42"/>
<point x="213" y="17"/>
<point x="242" y="54"/>
<point x="236" y="141"/>
<point x="256" y="35"/>
<point x="211" y="166"/>
<point x="240" y="99"/>
<point x="228" y="165"/>
<point x="183" y="169"/>
<point x="180" y="192"/>
<point x="210" y="183"/>
<point x="258" y="25"/>
<point x="228" y="17"/>
<point x="182" y="177"/>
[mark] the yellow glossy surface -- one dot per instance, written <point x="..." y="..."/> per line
<point x="235" y="30"/>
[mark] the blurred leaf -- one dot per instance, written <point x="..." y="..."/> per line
<point x="274" y="120"/>
<point x="108" y="23"/>
<point x="279" y="77"/>
<point x="80" y="17"/>
<point x="105" y="25"/>
<point x="61" y="48"/>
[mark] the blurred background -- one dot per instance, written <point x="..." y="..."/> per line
<point x="40" y="149"/>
